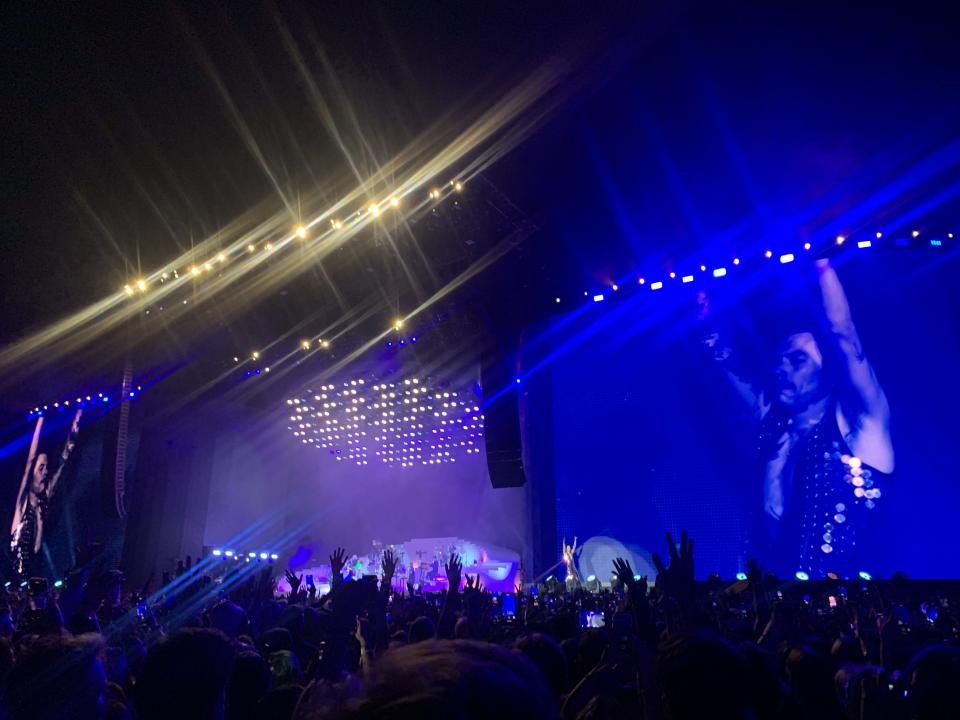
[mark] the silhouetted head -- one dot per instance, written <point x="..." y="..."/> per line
<point x="185" y="676"/>
<point x="701" y="676"/>
<point x="58" y="677"/>
<point x="453" y="679"/>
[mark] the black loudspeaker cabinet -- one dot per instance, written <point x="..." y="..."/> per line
<point x="501" y="423"/>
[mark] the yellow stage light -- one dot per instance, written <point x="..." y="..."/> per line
<point x="305" y="344"/>
<point x="256" y="356"/>
<point x="397" y="324"/>
<point x="128" y="290"/>
<point x="268" y="247"/>
<point x="221" y="257"/>
<point x="251" y="248"/>
<point x="458" y="186"/>
<point x="141" y="285"/>
<point x="394" y="202"/>
<point x="374" y="209"/>
<point x="195" y="270"/>
<point x="325" y="343"/>
<point x="301" y="231"/>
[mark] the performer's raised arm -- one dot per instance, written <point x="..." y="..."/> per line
<point x="864" y="407"/>
<point x="65" y="454"/>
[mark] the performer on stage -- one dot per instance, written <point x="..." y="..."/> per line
<point x="824" y="438"/>
<point x="573" y="575"/>
<point x="37" y="488"/>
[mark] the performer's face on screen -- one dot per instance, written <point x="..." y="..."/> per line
<point x="41" y="470"/>
<point x="799" y="374"/>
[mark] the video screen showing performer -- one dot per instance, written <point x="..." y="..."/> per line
<point x="798" y="412"/>
<point x="41" y="478"/>
<point x="824" y="445"/>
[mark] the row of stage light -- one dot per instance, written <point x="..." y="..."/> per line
<point x="785" y="258"/>
<point x="103" y="397"/>
<point x="804" y="576"/>
<point x="374" y="209"/>
<point x="247" y="556"/>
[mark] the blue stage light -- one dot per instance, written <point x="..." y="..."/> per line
<point x="390" y="344"/>
<point x="720" y="272"/>
<point x="598" y="298"/>
<point x="247" y="373"/>
<point x="637" y="578"/>
<point x="106" y="399"/>
<point x="741" y="576"/>
<point x="413" y="339"/>
<point x="517" y="380"/>
<point x="864" y="575"/>
<point x="687" y="278"/>
<point x="656" y="286"/>
<point x="228" y="553"/>
<point x="6" y="584"/>
<point x="264" y="556"/>
<point x="402" y="342"/>
<point x="274" y="556"/>
<point x="591" y="578"/>
<point x="58" y="584"/>
<point x="863" y="244"/>
<point x="788" y="258"/>
<point x="936" y="243"/>
<point x="802" y="576"/>
<point x="218" y="553"/>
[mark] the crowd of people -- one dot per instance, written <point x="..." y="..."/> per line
<point x="226" y="646"/>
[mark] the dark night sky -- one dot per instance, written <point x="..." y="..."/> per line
<point x="117" y="147"/>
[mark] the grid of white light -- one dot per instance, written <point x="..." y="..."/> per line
<point x="405" y="423"/>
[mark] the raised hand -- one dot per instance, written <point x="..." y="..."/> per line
<point x="390" y="561"/>
<point x="295" y="582"/>
<point x="625" y="573"/>
<point x="337" y="561"/>
<point x="454" y="568"/>
<point x="473" y="584"/>
<point x="676" y="580"/>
